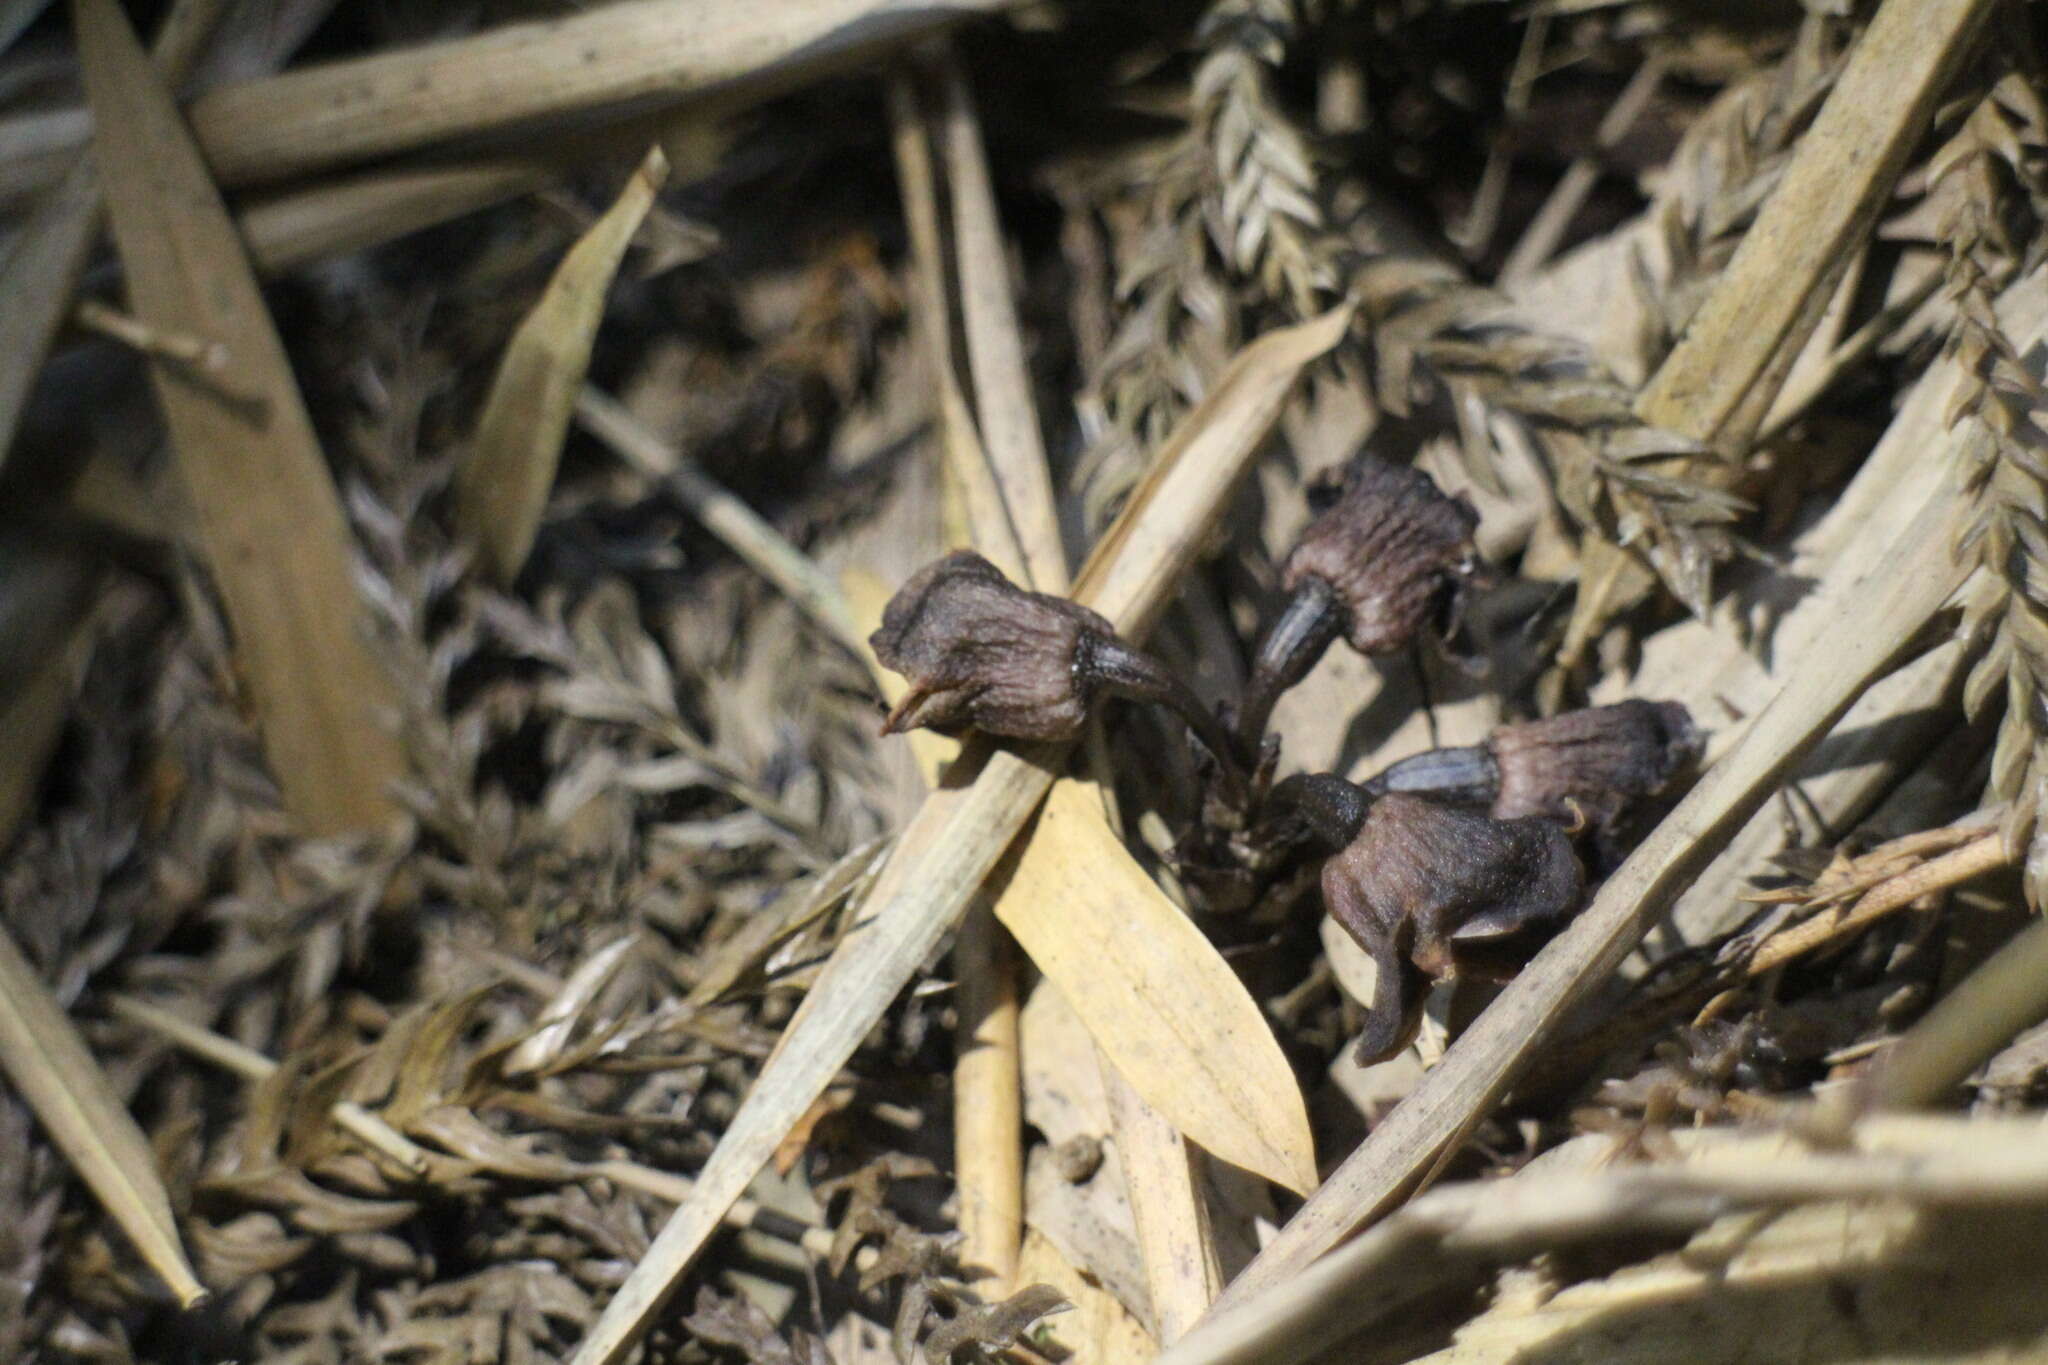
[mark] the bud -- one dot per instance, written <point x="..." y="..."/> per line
<point x="1592" y="764"/>
<point x="1583" y="766"/>
<point x="982" y="653"/>
<point x="1389" y="558"/>
<point x="1427" y="890"/>
<point x="1394" y="552"/>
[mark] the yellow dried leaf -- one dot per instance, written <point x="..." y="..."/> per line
<point x="1157" y="997"/>
<point x="502" y="487"/>
<point x="269" y="518"/>
<point x="55" y="1072"/>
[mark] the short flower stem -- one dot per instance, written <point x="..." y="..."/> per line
<point x="1332" y="808"/>
<point x="1289" y="649"/>
<point x="1466" y="776"/>
<point x="1125" y="672"/>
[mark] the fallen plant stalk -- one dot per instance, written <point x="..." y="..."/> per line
<point x="1987" y="851"/>
<point x="1949" y="1161"/>
<point x="622" y="57"/>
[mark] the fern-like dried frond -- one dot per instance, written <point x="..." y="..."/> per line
<point x="1986" y="176"/>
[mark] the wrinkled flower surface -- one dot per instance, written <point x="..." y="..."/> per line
<point x="1394" y="551"/>
<point x="1425" y="889"/>
<point x="982" y="653"/>
<point x="1597" y="760"/>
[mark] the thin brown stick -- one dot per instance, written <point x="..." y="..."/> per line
<point x="1973" y="859"/>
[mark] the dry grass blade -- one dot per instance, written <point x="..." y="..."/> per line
<point x="620" y="56"/>
<point x="1902" y="592"/>
<point x="503" y="485"/>
<point x="1719" y="384"/>
<point x="995" y="348"/>
<point x="1168" y="1208"/>
<point x="269" y="518"/>
<point x="56" y="1073"/>
<point x="42" y="271"/>
<point x="971" y="484"/>
<point x="959" y="834"/>
<point x="1157" y="997"/>
<point x="332" y="219"/>
<point x="1452" y="1231"/>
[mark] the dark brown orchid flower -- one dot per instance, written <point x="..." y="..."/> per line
<point x="1385" y="561"/>
<point x="1431" y="891"/>
<point x="983" y="654"/>
<point x="1584" y="766"/>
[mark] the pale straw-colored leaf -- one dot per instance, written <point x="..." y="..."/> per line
<point x="54" y="1071"/>
<point x="502" y="487"/>
<point x="269" y="518"/>
<point x="1155" y="994"/>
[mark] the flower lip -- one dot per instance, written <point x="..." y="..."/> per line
<point x="1395" y="552"/>
<point x="1432" y="891"/>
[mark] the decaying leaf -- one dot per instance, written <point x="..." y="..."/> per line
<point x="268" y="514"/>
<point x="1155" y="995"/>
<point x="503" y="485"/>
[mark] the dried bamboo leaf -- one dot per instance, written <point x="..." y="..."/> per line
<point x="1719" y="383"/>
<point x="270" y="520"/>
<point x="1156" y="996"/>
<point x="995" y="348"/>
<point x="959" y="834"/>
<point x="1578" y="1194"/>
<point x="1887" y="607"/>
<point x="624" y="56"/>
<point x="41" y="273"/>
<point x="1168" y="1208"/>
<point x="502" y="488"/>
<point x="56" y="1073"/>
